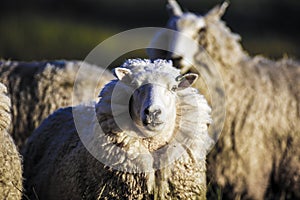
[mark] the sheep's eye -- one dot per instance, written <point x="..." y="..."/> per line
<point x="174" y="88"/>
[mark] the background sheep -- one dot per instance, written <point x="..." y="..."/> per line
<point x="160" y="154"/>
<point x="257" y="155"/>
<point x="10" y="161"/>
<point x="37" y="89"/>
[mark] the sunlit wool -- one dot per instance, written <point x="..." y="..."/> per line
<point x="37" y="89"/>
<point x="10" y="160"/>
<point x="257" y="154"/>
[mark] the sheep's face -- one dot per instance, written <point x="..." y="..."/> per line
<point x="192" y="34"/>
<point x="152" y="105"/>
<point x="184" y="42"/>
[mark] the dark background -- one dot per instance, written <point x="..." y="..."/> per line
<point x="70" y="29"/>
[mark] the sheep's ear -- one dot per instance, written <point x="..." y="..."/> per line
<point x="218" y="11"/>
<point x="121" y="72"/>
<point x="174" y="8"/>
<point x="187" y="80"/>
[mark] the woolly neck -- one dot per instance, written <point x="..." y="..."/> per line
<point x="118" y="146"/>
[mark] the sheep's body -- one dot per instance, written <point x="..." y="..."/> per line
<point x="37" y="89"/>
<point x="257" y="154"/>
<point x="10" y="160"/>
<point x="58" y="165"/>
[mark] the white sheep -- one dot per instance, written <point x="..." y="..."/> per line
<point x="37" y="89"/>
<point x="145" y="139"/>
<point x="10" y="160"/>
<point x="257" y="155"/>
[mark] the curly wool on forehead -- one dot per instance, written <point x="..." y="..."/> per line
<point x="142" y="67"/>
<point x="146" y="65"/>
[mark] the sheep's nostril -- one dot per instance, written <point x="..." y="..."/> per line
<point x="156" y="112"/>
<point x="152" y="118"/>
<point x="152" y="114"/>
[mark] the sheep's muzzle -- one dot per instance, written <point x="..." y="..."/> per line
<point x="152" y="118"/>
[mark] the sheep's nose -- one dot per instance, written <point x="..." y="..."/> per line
<point x="153" y="112"/>
<point x="153" y="117"/>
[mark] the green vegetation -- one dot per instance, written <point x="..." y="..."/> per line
<point x="29" y="37"/>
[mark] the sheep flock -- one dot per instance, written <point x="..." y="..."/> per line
<point x="150" y="133"/>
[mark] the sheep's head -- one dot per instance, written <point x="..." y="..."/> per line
<point x="152" y="104"/>
<point x="194" y="34"/>
<point x="150" y="111"/>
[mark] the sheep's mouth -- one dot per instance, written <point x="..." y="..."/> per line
<point x="153" y="125"/>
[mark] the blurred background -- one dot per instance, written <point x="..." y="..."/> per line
<point x="70" y="29"/>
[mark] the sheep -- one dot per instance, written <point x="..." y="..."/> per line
<point x="146" y="138"/>
<point x="37" y="89"/>
<point x="257" y="154"/>
<point x="10" y="160"/>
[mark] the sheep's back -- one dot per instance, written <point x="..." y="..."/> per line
<point x="37" y="89"/>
